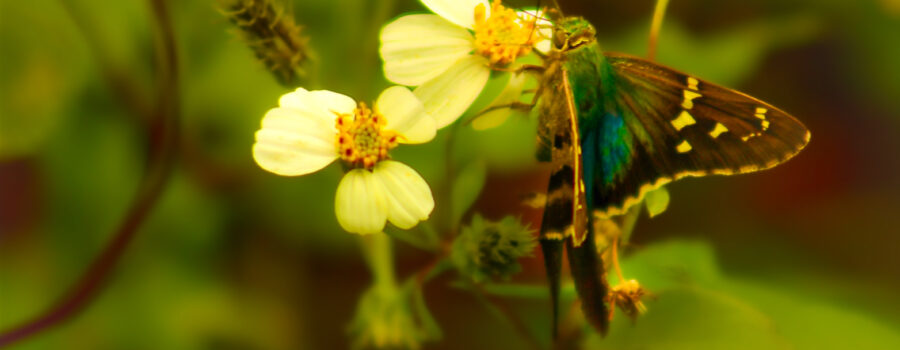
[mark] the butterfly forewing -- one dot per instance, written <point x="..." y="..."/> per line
<point x="683" y="126"/>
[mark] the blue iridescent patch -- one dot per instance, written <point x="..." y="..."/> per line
<point x="608" y="142"/>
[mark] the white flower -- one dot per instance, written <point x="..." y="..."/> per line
<point x="311" y="129"/>
<point x="449" y="56"/>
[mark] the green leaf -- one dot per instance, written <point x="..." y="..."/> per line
<point x="812" y="323"/>
<point x="421" y="237"/>
<point x="428" y="326"/>
<point x="695" y="305"/>
<point x="694" y="318"/>
<point x="466" y="188"/>
<point x="672" y="264"/>
<point x="657" y="201"/>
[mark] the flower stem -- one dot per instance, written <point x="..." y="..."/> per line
<point x="658" y="14"/>
<point x="449" y="176"/>
<point x="380" y="257"/>
<point x="629" y="220"/>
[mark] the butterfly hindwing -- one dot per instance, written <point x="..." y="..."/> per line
<point x="682" y="126"/>
<point x="565" y="221"/>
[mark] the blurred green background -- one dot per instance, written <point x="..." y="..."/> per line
<point x="806" y="255"/>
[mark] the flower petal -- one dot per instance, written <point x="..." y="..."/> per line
<point x="448" y="95"/>
<point x="460" y="12"/>
<point x="359" y="203"/>
<point x="294" y="99"/>
<point x="320" y="105"/>
<point x="295" y="142"/>
<point x="406" y="115"/>
<point x="416" y="48"/>
<point x="318" y="100"/>
<point x="512" y="92"/>
<point x="407" y="195"/>
<point x="544" y="27"/>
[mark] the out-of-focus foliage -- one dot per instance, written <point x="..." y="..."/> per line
<point x="697" y="306"/>
<point x="393" y="318"/>
<point x="233" y="257"/>
<point x="43" y="71"/>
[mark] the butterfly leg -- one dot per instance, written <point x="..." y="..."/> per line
<point x="525" y="68"/>
<point x="518" y="106"/>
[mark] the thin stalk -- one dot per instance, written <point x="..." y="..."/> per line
<point x="380" y="257"/>
<point x="450" y="176"/>
<point x="658" y="15"/>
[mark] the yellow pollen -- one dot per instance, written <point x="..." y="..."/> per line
<point x="502" y="37"/>
<point x="361" y="138"/>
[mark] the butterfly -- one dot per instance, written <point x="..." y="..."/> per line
<point x="614" y="127"/>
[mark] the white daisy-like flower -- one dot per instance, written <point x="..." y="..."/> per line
<point x="449" y="56"/>
<point x="311" y="129"/>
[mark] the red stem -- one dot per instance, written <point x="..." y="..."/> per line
<point x="162" y="139"/>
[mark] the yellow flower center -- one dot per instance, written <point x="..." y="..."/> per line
<point x="361" y="138"/>
<point x="502" y="37"/>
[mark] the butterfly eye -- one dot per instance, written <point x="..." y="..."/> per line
<point x="559" y="39"/>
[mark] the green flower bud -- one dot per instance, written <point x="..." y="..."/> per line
<point x="487" y="249"/>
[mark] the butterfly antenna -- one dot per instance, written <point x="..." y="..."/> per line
<point x="558" y="9"/>
<point x="535" y="16"/>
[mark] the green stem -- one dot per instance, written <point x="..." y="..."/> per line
<point x="450" y="176"/>
<point x="376" y="18"/>
<point x="380" y="257"/>
<point x="629" y="220"/>
<point x="658" y="14"/>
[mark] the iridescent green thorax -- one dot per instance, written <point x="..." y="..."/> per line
<point x="590" y="77"/>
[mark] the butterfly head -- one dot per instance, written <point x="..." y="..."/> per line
<point x="572" y="33"/>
